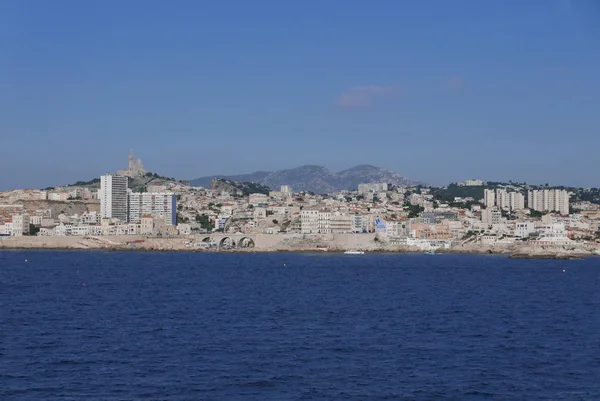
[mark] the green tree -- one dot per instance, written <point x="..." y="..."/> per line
<point x="204" y="221"/>
<point x="275" y="221"/>
<point x="33" y="230"/>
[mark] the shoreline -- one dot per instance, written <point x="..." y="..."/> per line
<point x="281" y="244"/>
<point x="555" y="254"/>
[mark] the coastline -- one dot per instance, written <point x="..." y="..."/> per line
<point x="276" y="245"/>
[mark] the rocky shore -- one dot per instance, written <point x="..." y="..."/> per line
<point x="275" y="243"/>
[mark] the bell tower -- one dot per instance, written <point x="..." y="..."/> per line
<point x="131" y="160"/>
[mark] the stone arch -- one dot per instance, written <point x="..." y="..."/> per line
<point x="227" y="243"/>
<point x="246" y="242"/>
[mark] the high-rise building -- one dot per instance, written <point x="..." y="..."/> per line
<point x="516" y="201"/>
<point x="373" y="187"/>
<point x="549" y="200"/>
<point x="503" y="199"/>
<point x="113" y="197"/>
<point x="489" y="198"/>
<point x="163" y="205"/>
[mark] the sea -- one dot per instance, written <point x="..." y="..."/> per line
<point x="93" y="325"/>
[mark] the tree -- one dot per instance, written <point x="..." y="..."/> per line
<point x="33" y="229"/>
<point x="204" y="221"/>
<point x="275" y="221"/>
<point x="413" y="210"/>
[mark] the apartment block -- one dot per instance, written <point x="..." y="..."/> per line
<point x="163" y="205"/>
<point x="113" y="197"/>
<point x="549" y="200"/>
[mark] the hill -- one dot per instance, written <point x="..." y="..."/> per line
<point x="317" y="179"/>
<point x="137" y="183"/>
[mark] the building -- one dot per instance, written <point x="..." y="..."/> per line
<point x="257" y="199"/>
<point x="286" y="189"/>
<point x="161" y="205"/>
<point x="341" y="223"/>
<point x="524" y="228"/>
<point x="489" y="198"/>
<point x="503" y="200"/>
<point x="372" y="188"/>
<point x="473" y="183"/>
<point x="20" y="224"/>
<point x="113" y="197"/>
<point x="135" y="167"/>
<point x="549" y="200"/>
<point x="146" y="225"/>
<point x="309" y="221"/>
<point x="491" y="216"/>
<point x="516" y="201"/>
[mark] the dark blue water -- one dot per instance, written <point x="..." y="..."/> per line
<point x="179" y="326"/>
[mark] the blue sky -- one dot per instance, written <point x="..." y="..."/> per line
<point x="438" y="91"/>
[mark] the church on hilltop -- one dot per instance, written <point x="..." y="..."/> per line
<point x="136" y="168"/>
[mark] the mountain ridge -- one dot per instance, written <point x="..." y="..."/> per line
<point x="317" y="179"/>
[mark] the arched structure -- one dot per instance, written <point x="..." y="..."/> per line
<point x="227" y="243"/>
<point x="246" y="242"/>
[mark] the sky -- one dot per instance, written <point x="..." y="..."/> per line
<point x="436" y="90"/>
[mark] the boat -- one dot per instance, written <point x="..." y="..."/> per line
<point x="354" y="251"/>
<point x="429" y="253"/>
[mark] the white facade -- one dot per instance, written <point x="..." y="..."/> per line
<point x="553" y="234"/>
<point x="255" y="199"/>
<point x="376" y="187"/>
<point x="163" y="205"/>
<point x="489" y="198"/>
<point x="20" y="224"/>
<point x="549" y="200"/>
<point x="340" y="223"/>
<point x="473" y="183"/>
<point x="113" y="197"/>
<point x="516" y="201"/>
<point x="503" y="199"/>
<point x="491" y="216"/>
<point x="309" y="221"/>
<point x="523" y="229"/>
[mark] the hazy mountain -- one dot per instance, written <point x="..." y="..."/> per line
<point x="317" y="179"/>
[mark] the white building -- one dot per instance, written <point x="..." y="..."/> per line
<point x="549" y="200"/>
<point x="255" y="199"/>
<point x="20" y="224"/>
<point x="553" y="235"/>
<point x="372" y="188"/>
<point x="163" y="205"/>
<point x="491" y="216"/>
<point x="113" y="197"/>
<point x="489" y="198"/>
<point x="503" y="199"/>
<point x="340" y="223"/>
<point x="309" y="221"/>
<point x="286" y="189"/>
<point x="473" y="183"/>
<point x="516" y="201"/>
<point x="524" y="228"/>
<point x="220" y="222"/>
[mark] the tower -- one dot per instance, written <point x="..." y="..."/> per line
<point x="131" y="160"/>
<point x="113" y="196"/>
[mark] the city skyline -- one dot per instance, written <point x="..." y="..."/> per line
<point x="436" y="91"/>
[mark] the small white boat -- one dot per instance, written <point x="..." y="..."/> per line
<point x="354" y="252"/>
